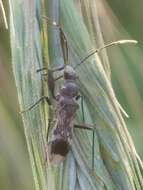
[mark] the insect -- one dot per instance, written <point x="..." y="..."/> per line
<point x="66" y="104"/>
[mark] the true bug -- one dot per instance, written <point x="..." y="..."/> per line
<point x="66" y="104"/>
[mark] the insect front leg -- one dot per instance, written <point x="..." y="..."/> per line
<point x="58" y="68"/>
<point x="50" y="77"/>
<point x="37" y="102"/>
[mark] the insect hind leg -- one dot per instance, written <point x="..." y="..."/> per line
<point x="82" y="106"/>
<point x="89" y="127"/>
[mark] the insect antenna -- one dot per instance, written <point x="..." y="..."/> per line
<point x="64" y="43"/>
<point x="106" y="46"/>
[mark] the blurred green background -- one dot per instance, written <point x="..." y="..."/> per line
<point x="118" y="20"/>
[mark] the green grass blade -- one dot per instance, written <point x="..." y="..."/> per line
<point x="26" y="55"/>
<point x="116" y="165"/>
<point x="3" y="14"/>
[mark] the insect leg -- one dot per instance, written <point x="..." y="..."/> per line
<point x="42" y="69"/>
<point x="36" y="103"/>
<point x="47" y="135"/>
<point x="58" y="68"/>
<point x="64" y="44"/>
<point x="49" y="125"/>
<point x="89" y="127"/>
<point x="93" y="146"/>
<point x="84" y="126"/>
<point x="82" y="107"/>
<point x="50" y="78"/>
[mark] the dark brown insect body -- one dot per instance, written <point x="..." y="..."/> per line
<point x="66" y="108"/>
<point x="67" y="104"/>
<point x="59" y="139"/>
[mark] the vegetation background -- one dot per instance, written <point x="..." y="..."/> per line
<point x="120" y="20"/>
